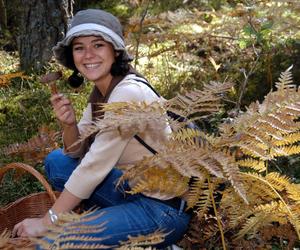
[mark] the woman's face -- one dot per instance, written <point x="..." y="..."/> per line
<point x="93" y="58"/>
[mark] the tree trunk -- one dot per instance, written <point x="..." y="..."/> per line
<point x="43" y="24"/>
<point x="3" y="16"/>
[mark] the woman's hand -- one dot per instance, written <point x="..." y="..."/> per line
<point x="63" y="110"/>
<point x="30" y="228"/>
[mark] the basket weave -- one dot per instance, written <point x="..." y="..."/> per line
<point x="30" y="206"/>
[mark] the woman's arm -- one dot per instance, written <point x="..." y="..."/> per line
<point x="37" y="226"/>
<point x="65" y="203"/>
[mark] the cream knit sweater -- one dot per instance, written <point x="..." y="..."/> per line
<point x="110" y="149"/>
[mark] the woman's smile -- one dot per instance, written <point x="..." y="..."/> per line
<point x="92" y="65"/>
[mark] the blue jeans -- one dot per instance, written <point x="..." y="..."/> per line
<point x="124" y="214"/>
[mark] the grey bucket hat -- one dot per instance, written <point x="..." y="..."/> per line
<point x="91" y="22"/>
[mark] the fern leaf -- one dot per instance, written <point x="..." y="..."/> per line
<point x="232" y="172"/>
<point x="202" y="102"/>
<point x="285" y="151"/>
<point x="257" y="165"/>
<point x="287" y="139"/>
<point x="83" y="245"/>
<point x="203" y="204"/>
<point x="159" y="181"/>
<point x="129" y="118"/>
<point x="143" y="240"/>
<point x="195" y="191"/>
<point x="4" y="238"/>
<point x="293" y="191"/>
<point x="36" y="148"/>
<point x="284" y="80"/>
<point x="278" y="181"/>
<point x="263" y="215"/>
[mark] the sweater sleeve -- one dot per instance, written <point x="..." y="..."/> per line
<point x="85" y="120"/>
<point x="105" y="151"/>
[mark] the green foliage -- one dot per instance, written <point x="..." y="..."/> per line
<point x="259" y="37"/>
<point x="12" y="188"/>
<point x="23" y="110"/>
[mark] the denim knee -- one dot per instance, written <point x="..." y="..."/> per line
<point x="59" y="167"/>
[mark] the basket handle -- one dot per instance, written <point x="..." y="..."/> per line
<point x="31" y="170"/>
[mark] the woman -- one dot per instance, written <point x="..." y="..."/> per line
<point x="94" y="46"/>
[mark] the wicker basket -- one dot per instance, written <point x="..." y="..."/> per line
<point x="30" y="206"/>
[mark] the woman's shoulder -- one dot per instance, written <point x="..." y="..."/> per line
<point x="133" y="88"/>
<point x="132" y="80"/>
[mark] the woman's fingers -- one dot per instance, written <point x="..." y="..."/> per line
<point x="17" y="230"/>
<point x="55" y="98"/>
<point x="63" y="109"/>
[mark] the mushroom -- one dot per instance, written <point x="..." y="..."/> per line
<point x="50" y="79"/>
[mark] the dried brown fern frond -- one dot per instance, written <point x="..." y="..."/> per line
<point x="279" y="182"/>
<point x="70" y="228"/>
<point x="277" y="209"/>
<point x="259" y="193"/>
<point x="200" y="233"/>
<point x="36" y="148"/>
<point x="263" y="215"/>
<point x="185" y="156"/>
<point x="143" y="240"/>
<point x="285" y="80"/>
<point x="71" y="232"/>
<point x="199" y="103"/>
<point x="269" y="129"/>
<point x="293" y="192"/>
<point x="283" y="232"/>
<point x="159" y="181"/>
<point x="4" y="238"/>
<point x="135" y="118"/>
<point x="196" y="190"/>
<point x="5" y="79"/>
<point x="130" y="118"/>
<point x="8" y="243"/>
<point x="257" y="165"/>
<point x="204" y="202"/>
